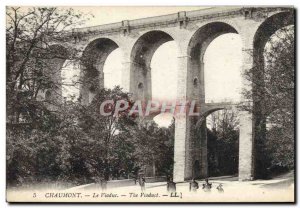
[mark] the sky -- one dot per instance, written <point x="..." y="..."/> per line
<point x="222" y="59"/>
<point x="106" y="15"/>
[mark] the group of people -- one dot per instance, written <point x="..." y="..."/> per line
<point x="194" y="186"/>
<point x="206" y="186"/>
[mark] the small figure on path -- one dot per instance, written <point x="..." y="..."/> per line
<point x="194" y="186"/>
<point x="220" y="188"/>
<point x="142" y="184"/>
<point x="171" y="186"/>
<point x="206" y="186"/>
<point x="135" y="179"/>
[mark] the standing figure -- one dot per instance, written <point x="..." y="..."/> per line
<point x="135" y="179"/>
<point x="194" y="186"/>
<point x="220" y="188"/>
<point x="142" y="184"/>
<point x="171" y="186"/>
<point x="206" y="186"/>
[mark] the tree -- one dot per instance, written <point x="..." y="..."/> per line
<point x="31" y="55"/>
<point x="275" y="91"/>
<point x="35" y="147"/>
<point x="51" y="139"/>
<point x="154" y="146"/>
<point x="222" y="142"/>
<point x="110" y="134"/>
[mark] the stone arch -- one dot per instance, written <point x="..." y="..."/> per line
<point x="141" y="56"/>
<point x="262" y="35"/>
<point x="197" y="46"/>
<point x="203" y="116"/>
<point x="92" y="63"/>
<point x="269" y="27"/>
<point x="205" y="35"/>
<point x="201" y="140"/>
<point x="264" y="32"/>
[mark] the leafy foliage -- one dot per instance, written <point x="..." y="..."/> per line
<point x="275" y="91"/>
<point x="51" y="139"/>
<point x="79" y="145"/>
<point x="32" y="57"/>
<point x="223" y="143"/>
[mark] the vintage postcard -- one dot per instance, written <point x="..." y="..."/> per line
<point x="150" y="104"/>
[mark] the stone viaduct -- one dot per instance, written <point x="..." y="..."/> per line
<point x="192" y="32"/>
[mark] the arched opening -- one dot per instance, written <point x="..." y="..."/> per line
<point x="112" y="69"/>
<point x="214" y="67"/>
<point x="222" y="74"/>
<point x="165" y="133"/>
<point x="148" y="58"/>
<point x="222" y="143"/>
<point x="164" y="71"/>
<point x="153" y="58"/>
<point x="164" y="78"/>
<point x="212" y="43"/>
<point x="273" y="61"/>
<point x="70" y="76"/>
<point x="92" y="67"/>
